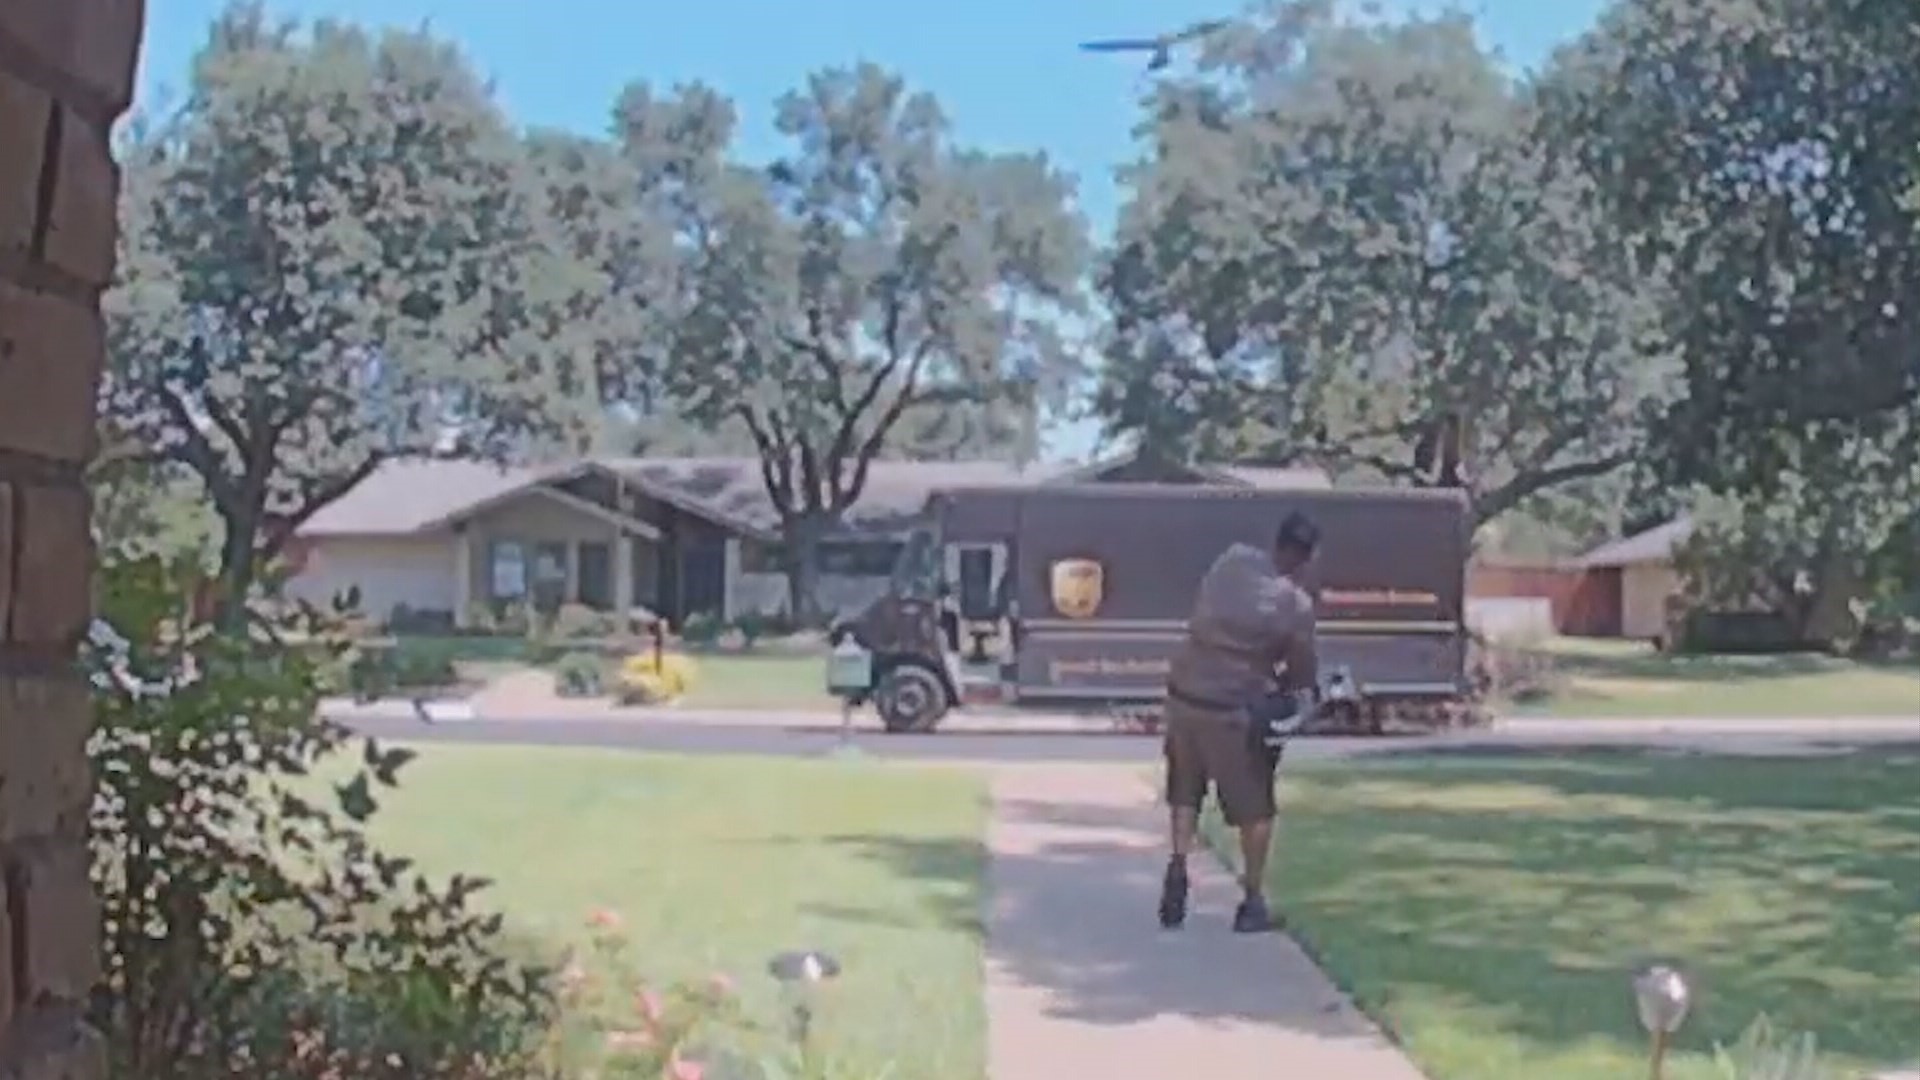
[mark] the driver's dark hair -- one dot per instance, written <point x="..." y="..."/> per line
<point x="1297" y="532"/>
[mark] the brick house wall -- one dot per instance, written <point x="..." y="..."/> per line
<point x="1586" y="603"/>
<point x="66" y="73"/>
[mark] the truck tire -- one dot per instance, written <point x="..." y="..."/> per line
<point x="910" y="698"/>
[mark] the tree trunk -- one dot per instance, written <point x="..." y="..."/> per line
<point x="237" y="570"/>
<point x="1831" y="621"/>
<point x="802" y="565"/>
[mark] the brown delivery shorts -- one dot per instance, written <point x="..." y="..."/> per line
<point x="1205" y="748"/>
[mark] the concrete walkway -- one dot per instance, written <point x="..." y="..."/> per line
<point x="1081" y="981"/>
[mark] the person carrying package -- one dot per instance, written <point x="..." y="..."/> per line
<point x="1252" y="624"/>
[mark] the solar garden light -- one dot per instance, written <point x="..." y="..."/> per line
<point x="1662" y="997"/>
<point x="800" y="975"/>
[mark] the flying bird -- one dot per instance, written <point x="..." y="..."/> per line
<point x="1161" y="47"/>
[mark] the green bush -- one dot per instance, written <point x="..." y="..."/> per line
<point x="251" y="927"/>
<point x="701" y="629"/>
<point x="580" y="675"/>
<point x="380" y="671"/>
<point x="410" y="620"/>
<point x="752" y="627"/>
<point x="1501" y="672"/>
<point x="577" y="622"/>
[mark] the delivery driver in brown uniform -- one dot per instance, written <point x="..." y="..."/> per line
<point x="1224" y="724"/>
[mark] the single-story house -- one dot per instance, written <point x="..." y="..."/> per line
<point x="676" y="536"/>
<point x="1636" y="576"/>
<point x="1617" y="590"/>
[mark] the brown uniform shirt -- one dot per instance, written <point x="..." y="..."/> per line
<point x="1246" y="620"/>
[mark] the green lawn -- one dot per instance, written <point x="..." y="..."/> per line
<point x="1491" y="908"/>
<point x="716" y="864"/>
<point x="1625" y="679"/>
<point x="750" y="681"/>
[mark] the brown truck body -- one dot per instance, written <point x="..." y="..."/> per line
<point x="1086" y="588"/>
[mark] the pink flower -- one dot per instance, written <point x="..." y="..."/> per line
<point x="720" y="984"/>
<point x="604" y="919"/>
<point x="652" y="1009"/>
<point x="682" y="1069"/>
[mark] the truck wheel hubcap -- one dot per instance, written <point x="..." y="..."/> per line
<point x="910" y="698"/>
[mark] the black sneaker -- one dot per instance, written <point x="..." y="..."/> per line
<point x="1173" y="896"/>
<point x="1252" y="917"/>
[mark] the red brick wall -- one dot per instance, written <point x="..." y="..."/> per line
<point x="66" y="73"/>
<point x="1585" y="603"/>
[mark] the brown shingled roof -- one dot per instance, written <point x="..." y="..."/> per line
<point x="412" y="496"/>
<point x="1657" y="544"/>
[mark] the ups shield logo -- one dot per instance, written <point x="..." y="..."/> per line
<point x="1078" y="587"/>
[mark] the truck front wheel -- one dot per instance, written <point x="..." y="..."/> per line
<point x="910" y="698"/>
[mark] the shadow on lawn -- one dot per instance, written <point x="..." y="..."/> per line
<point x="948" y="871"/>
<point x="1518" y="891"/>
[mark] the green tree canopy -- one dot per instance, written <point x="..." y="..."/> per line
<point x="1760" y="157"/>
<point x="836" y="303"/>
<point x="1359" y="242"/>
<point x="332" y="254"/>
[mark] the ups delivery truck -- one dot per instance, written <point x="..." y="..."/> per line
<point x="1074" y="598"/>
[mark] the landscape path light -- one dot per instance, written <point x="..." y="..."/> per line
<point x="801" y="974"/>
<point x="1661" y="997"/>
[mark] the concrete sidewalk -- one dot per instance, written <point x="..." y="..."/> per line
<point x="1081" y="981"/>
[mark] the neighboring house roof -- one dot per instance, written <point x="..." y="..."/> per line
<point x="1277" y="477"/>
<point x="1653" y="546"/>
<point x="409" y="496"/>
<point x="404" y="497"/>
<point x="895" y="491"/>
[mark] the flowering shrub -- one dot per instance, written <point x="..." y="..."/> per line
<point x="618" y="1027"/>
<point x="250" y="931"/>
<point x="649" y="679"/>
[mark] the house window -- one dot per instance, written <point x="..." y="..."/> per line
<point x="841" y="558"/>
<point x="859" y="558"/>
<point x="762" y="557"/>
<point x="507" y="570"/>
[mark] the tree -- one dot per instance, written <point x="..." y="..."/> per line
<point x="877" y="270"/>
<point x="1356" y="242"/>
<point x="330" y="256"/>
<point x="1759" y="156"/>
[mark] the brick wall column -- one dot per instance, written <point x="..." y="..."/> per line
<point x="66" y="73"/>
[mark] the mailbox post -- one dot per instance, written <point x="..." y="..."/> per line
<point x="849" y="676"/>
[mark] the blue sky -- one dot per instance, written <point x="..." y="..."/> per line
<point x="1007" y="71"/>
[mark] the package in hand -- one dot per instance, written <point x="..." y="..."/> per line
<point x="1278" y="716"/>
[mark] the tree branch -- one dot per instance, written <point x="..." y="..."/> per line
<point x="230" y="427"/>
<point x="323" y="494"/>
<point x="777" y="478"/>
<point x="198" y="454"/>
<point x="1515" y="491"/>
<point x="876" y="438"/>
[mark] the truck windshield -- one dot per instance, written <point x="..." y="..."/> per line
<point x="917" y="574"/>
